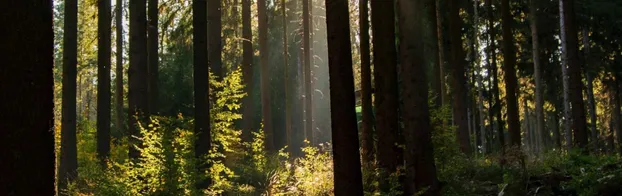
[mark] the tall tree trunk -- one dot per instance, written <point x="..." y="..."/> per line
<point x="441" y="51"/>
<point x="138" y="73"/>
<point x="247" y="72"/>
<point x="533" y="6"/>
<point x="346" y="161"/>
<point x="480" y="84"/>
<point x="367" y="140"/>
<point x="153" y="58"/>
<point x="419" y="159"/>
<point x="495" y="83"/>
<point x="120" y="122"/>
<point x="266" y="108"/>
<point x="557" y="140"/>
<point x="214" y="36"/>
<point x="103" y="84"/>
<point x="574" y="73"/>
<point x="565" y="81"/>
<point x="385" y="76"/>
<point x="288" y="118"/>
<point x="459" y="91"/>
<point x="27" y="108"/>
<point x="617" y="115"/>
<point x="201" y="88"/>
<point x="590" y="93"/>
<point x="306" y="22"/>
<point x="432" y="46"/>
<point x="67" y="169"/>
<point x="509" y="56"/>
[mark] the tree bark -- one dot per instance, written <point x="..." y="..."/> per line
<point x="26" y="78"/>
<point x="590" y="93"/>
<point x="153" y="57"/>
<point x="495" y="83"/>
<point x="367" y="140"/>
<point x="288" y="119"/>
<point x="247" y="72"/>
<point x="67" y="169"/>
<point x="138" y="73"/>
<point x="266" y="108"/>
<point x="574" y="73"/>
<point x="441" y="51"/>
<point x="214" y="36"/>
<point x="308" y="96"/>
<point x="201" y="88"/>
<point x="436" y="81"/>
<point x="565" y="81"/>
<point x="346" y="161"/>
<point x="617" y="116"/>
<point x="459" y="80"/>
<point x="533" y="6"/>
<point x="419" y="156"/>
<point x="120" y="122"/>
<point x="103" y="84"/>
<point x="509" y="56"/>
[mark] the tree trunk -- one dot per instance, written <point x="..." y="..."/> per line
<point x="590" y="93"/>
<point x="201" y="88"/>
<point x="537" y="74"/>
<point x="27" y="136"/>
<point x="565" y="81"/>
<point x="214" y="37"/>
<point x="153" y="58"/>
<point x="458" y="82"/>
<point x="288" y="118"/>
<point x="574" y="73"/>
<point x="495" y="83"/>
<point x="346" y="161"/>
<point x="120" y="122"/>
<point x="103" y="84"/>
<point x="509" y="56"/>
<point x="441" y="51"/>
<point x="385" y="76"/>
<point x="432" y="46"/>
<point x="266" y="108"/>
<point x="306" y="22"/>
<point x="67" y="169"/>
<point x="138" y="73"/>
<point x="480" y="85"/>
<point x="419" y="159"/>
<point x="617" y="116"/>
<point x="367" y="140"/>
<point x="247" y="72"/>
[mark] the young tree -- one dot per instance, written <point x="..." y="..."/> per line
<point x="459" y="81"/>
<point x="306" y="44"/>
<point x="346" y="161"/>
<point x="201" y="88"/>
<point x="214" y="36"/>
<point x="247" y="71"/>
<point x="509" y="60"/>
<point x="574" y="75"/>
<point x="367" y="140"/>
<point x="533" y="16"/>
<point x="27" y="136"/>
<point x="67" y="168"/>
<point x="153" y="57"/>
<point x="419" y="159"/>
<point x="103" y="83"/>
<point x="385" y="77"/>
<point x="266" y="109"/>
<point x="120" y="123"/>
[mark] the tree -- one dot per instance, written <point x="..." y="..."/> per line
<point x="214" y="30"/>
<point x="367" y="140"/>
<point x="565" y="78"/>
<point x="437" y="79"/>
<point x="385" y="77"/>
<point x="590" y="92"/>
<point x="138" y="72"/>
<point x="306" y="43"/>
<point x="68" y="166"/>
<point x="346" y="161"/>
<point x="574" y="75"/>
<point x="419" y="159"/>
<point x="153" y="57"/>
<point x="103" y="83"/>
<point x="247" y="70"/>
<point x="120" y="123"/>
<point x="266" y="108"/>
<point x="26" y="138"/>
<point x="509" y="60"/>
<point x="201" y="88"/>
<point x="533" y="16"/>
<point x="288" y="118"/>
<point x="496" y="108"/>
<point x="438" y="15"/>
<point x="458" y="82"/>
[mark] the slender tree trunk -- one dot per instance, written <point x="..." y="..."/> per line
<point x="495" y="83"/>
<point x="67" y="169"/>
<point x="590" y="93"/>
<point x="201" y="88"/>
<point x="419" y="159"/>
<point x="266" y="108"/>
<point x="617" y="116"/>
<point x="27" y="109"/>
<point x="247" y="72"/>
<point x="306" y="22"/>
<point x="533" y="6"/>
<point x="288" y="118"/>
<point x="480" y="85"/>
<point x="367" y="140"/>
<point x="458" y="82"/>
<point x="346" y="161"/>
<point x="441" y="51"/>
<point x="153" y="57"/>
<point x="574" y="73"/>
<point x="120" y="123"/>
<point x="557" y="140"/>
<point x="432" y="46"/>
<point x="138" y="73"/>
<point x="509" y="56"/>
<point x="565" y="81"/>
<point x="103" y="84"/>
<point x="214" y="36"/>
<point x="528" y="136"/>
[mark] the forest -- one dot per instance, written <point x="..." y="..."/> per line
<point x="334" y="97"/>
